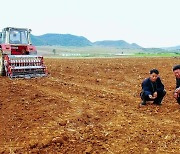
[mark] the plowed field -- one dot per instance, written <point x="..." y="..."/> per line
<point x="89" y="106"/>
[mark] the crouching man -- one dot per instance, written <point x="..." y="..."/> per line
<point x="176" y="70"/>
<point x="152" y="89"/>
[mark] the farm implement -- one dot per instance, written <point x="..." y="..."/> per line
<point x="18" y="57"/>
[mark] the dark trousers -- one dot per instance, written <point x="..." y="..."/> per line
<point x="178" y="99"/>
<point x="157" y="100"/>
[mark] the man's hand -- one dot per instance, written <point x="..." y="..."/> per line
<point x="175" y="95"/>
<point x="177" y="90"/>
<point x="155" y="94"/>
<point x="151" y="97"/>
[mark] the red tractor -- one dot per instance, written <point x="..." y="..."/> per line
<point x="18" y="57"/>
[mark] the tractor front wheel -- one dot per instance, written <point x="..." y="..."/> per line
<point x="2" y="68"/>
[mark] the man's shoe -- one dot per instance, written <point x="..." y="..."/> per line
<point x="157" y="103"/>
<point x="143" y="103"/>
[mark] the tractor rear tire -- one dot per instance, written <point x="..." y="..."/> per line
<point x="2" y="68"/>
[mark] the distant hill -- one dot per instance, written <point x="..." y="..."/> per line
<point x="68" y="40"/>
<point x="173" y="48"/>
<point x="154" y="50"/>
<point x="60" y="40"/>
<point x="77" y="41"/>
<point x="118" y="44"/>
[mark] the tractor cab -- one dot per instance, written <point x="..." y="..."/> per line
<point x="12" y="35"/>
<point x="17" y="41"/>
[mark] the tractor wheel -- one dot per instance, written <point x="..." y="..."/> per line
<point x="2" y="68"/>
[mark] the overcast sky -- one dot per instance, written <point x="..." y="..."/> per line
<point x="149" y="23"/>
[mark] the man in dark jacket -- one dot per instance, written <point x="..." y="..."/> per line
<point x="176" y="70"/>
<point x="152" y="89"/>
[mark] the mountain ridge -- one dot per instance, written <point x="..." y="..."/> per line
<point x="116" y="43"/>
<point x="77" y="41"/>
<point x="55" y="39"/>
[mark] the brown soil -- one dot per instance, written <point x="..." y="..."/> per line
<point x="89" y="106"/>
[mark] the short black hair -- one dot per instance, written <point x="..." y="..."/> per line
<point x="176" y="67"/>
<point x="154" y="71"/>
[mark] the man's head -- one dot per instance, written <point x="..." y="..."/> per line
<point x="176" y="70"/>
<point x="154" y="75"/>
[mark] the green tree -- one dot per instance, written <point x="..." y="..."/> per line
<point x="54" y="51"/>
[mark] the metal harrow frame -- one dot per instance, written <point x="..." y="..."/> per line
<point x="24" y="66"/>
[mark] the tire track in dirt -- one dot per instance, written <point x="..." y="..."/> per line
<point x="117" y="94"/>
<point x="90" y="89"/>
<point x="44" y="130"/>
<point x="81" y="100"/>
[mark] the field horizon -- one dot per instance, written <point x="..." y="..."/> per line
<point x="59" y="51"/>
